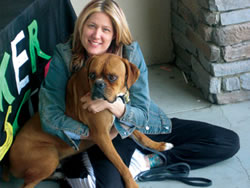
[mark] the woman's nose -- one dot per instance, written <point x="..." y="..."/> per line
<point x="97" y="33"/>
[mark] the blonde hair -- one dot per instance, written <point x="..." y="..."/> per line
<point x="122" y="33"/>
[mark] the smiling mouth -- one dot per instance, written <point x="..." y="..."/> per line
<point x="94" y="43"/>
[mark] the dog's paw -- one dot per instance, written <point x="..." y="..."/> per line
<point x="168" y="146"/>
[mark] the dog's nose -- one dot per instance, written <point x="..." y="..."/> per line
<point x="100" y="84"/>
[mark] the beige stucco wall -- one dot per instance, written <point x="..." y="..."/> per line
<point x="149" y="21"/>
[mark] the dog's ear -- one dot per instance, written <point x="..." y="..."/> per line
<point x="132" y="73"/>
<point x="77" y="87"/>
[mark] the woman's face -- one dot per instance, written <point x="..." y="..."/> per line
<point x="98" y="32"/>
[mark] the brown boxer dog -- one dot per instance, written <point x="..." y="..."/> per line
<point x="35" y="154"/>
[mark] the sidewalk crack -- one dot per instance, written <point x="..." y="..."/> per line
<point x="248" y="175"/>
<point x="228" y="121"/>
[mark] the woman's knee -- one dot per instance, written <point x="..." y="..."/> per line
<point x="228" y="141"/>
<point x="234" y="143"/>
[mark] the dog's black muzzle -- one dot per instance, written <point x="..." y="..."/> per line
<point x="98" y="90"/>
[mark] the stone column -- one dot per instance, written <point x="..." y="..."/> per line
<point x="212" y="46"/>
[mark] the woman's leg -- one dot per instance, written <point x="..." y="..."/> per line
<point x="105" y="172"/>
<point x="73" y="167"/>
<point x="199" y="144"/>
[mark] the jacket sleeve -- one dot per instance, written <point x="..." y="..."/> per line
<point x="52" y="102"/>
<point x="137" y="111"/>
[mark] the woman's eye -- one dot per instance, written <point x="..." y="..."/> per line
<point x="106" y="30"/>
<point x="92" y="76"/>
<point x="91" y="26"/>
<point x="112" y="78"/>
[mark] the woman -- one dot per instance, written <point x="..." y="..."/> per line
<point x="102" y="27"/>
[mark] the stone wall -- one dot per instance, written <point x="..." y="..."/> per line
<point x="212" y="46"/>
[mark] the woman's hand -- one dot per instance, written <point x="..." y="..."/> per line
<point x="117" y="108"/>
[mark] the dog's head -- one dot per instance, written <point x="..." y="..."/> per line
<point x="110" y="76"/>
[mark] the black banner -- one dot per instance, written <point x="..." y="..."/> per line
<point x="30" y="29"/>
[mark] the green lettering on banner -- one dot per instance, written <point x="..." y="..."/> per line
<point x="4" y="89"/>
<point x="15" y="123"/>
<point x="34" y="43"/>
<point x="9" y="135"/>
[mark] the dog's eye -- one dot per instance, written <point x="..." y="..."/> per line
<point x="92" y="75"/>
<point x="112" y="77"/>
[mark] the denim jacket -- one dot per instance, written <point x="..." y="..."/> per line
<point x="141" y="113"/>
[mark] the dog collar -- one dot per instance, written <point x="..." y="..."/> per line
<point x="125" y="98"/>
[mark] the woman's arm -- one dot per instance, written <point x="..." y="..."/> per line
<point x="137" y="110"/>
<point x="52" y="100"/>
<point x="117" y="108"/>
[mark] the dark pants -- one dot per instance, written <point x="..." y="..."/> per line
<point x="197" y="143"/>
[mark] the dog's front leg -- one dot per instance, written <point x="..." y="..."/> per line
<point x="105" y="144"/>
